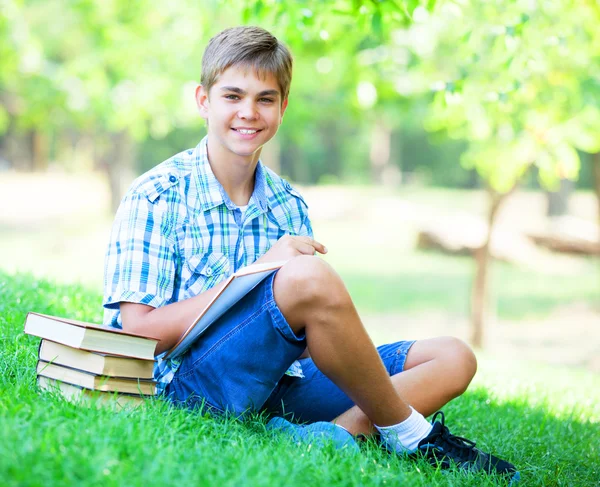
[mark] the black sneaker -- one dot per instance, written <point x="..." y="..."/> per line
<point x="443" y="449"/>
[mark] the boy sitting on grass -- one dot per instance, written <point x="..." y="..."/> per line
<point x="295" y="345"/>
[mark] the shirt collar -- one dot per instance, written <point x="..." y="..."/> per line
<point x="210" y="190"/>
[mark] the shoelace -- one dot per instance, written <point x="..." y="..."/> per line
<point x="462" y="447"/>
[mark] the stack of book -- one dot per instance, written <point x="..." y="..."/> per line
<point x="90" y="363"/>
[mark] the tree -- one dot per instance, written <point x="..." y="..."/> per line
<point x="341" y="75"/>
<point x="111" y="72"/>
<point x="517" y="80"/>
<point x="101" y="70"/>
<point x="511" y="79"/>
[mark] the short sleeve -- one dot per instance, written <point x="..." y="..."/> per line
<point x="140" y="262"/>
<point x="306" y="227"/>
<point x="299" y="212"/>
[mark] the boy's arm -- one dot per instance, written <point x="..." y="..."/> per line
<point x="169" y="322"/>
<point x="146" y="320"/>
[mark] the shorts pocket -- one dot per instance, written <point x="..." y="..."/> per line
<point x="189" y="393"/>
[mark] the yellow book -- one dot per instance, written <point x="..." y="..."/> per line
<point x="94" y="362"/>
<point x="78" y="334"/>
<point x="96" y="382"/>
<point x="75" y="393"/>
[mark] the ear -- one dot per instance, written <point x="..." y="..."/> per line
<point x="283" y="108"/>
<point x="202" y="101"/>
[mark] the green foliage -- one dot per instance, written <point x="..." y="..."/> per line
<point x="516" y="409"/>
<point x="100" y="67"/>
<point x="517" y="81"/>
<point x="109" y="68"/>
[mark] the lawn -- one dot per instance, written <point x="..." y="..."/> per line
<point x="545" y="419"/>
<point x="425" y="281"/>
<point x="370" y="233"/>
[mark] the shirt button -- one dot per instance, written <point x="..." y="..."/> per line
<point x="172" y="178"/>
<point x="209" y="272"/>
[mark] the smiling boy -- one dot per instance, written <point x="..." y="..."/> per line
<point x="295" y="345"/>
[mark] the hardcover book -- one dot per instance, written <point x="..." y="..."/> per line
<point x="96" y="382"/>
<point x="86" y="336"/>
<point x="94" y="362"/>
<point x="75" y="393"/>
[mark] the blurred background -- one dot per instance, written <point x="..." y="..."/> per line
<point x="449" y="151"/>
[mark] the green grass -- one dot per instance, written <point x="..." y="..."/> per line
<point x="417" y="281"/>
<point x="372" y="245"/>
<point x="546" y="420"/>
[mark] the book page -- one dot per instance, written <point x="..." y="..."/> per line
<point x="83" y="324"/>
<point x="239" y="285"/>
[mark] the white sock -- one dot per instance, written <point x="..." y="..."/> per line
<point x="405" y="437"/>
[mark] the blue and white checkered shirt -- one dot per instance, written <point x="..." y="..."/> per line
<point x="177" y="234"/>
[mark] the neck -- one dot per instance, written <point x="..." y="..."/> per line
<point x="235" y="173"/>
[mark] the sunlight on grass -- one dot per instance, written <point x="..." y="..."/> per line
<point x="370" y="233"/>
<point x="545" y="419"/>
<point x="564" y="393"/>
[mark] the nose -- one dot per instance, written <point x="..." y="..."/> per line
<point x="248" y="111"/>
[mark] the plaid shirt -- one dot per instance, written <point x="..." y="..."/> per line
<point x="177" y="234"/>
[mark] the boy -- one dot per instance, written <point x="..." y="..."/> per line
<point x="295" y="345"/>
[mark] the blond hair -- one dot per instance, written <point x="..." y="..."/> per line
<point x="248" y="47"/>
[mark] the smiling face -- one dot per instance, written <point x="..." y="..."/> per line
<point x="243" y="112"/>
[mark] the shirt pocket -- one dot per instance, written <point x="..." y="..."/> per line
<point x="205" y="272"/>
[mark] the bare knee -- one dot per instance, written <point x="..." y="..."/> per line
<point x="461" y="364"/>
<point x="305" y="285"/>
<point x="307" y="278"/>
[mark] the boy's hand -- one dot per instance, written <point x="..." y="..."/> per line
<point x="288" y="247"/>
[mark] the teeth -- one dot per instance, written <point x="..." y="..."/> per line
<point x="246" y="132"/>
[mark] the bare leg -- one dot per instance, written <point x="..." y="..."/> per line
<point x="313" y="299"/>
<point x="436" y="371"/>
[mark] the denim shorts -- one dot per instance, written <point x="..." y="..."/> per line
<point x="239" y="365"/>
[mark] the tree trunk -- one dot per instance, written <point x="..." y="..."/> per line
<point x="84" y="152"/>
<point x="480" y="291"/>
<point x="332" y="165"/>
<point x="292" y="164"/>
<point x="380" y="151"/>
<point x="596" y="171"/>
<point x="119" y="166"/>
<point x="39" y="151"/>
<point x="558" y="201"/>
<point x="18" y="150"/>
<point x="397" y="157"/>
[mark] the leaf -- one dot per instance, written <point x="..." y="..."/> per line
<point x="567" y="161"/>
<point x="377" y="23"/>
<point x="258" y="8"/>
<point x="582" y="131"/>
<point x="586" y="140"/>
<point x="246" y="14"/>
<point x="338" y="11"/>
